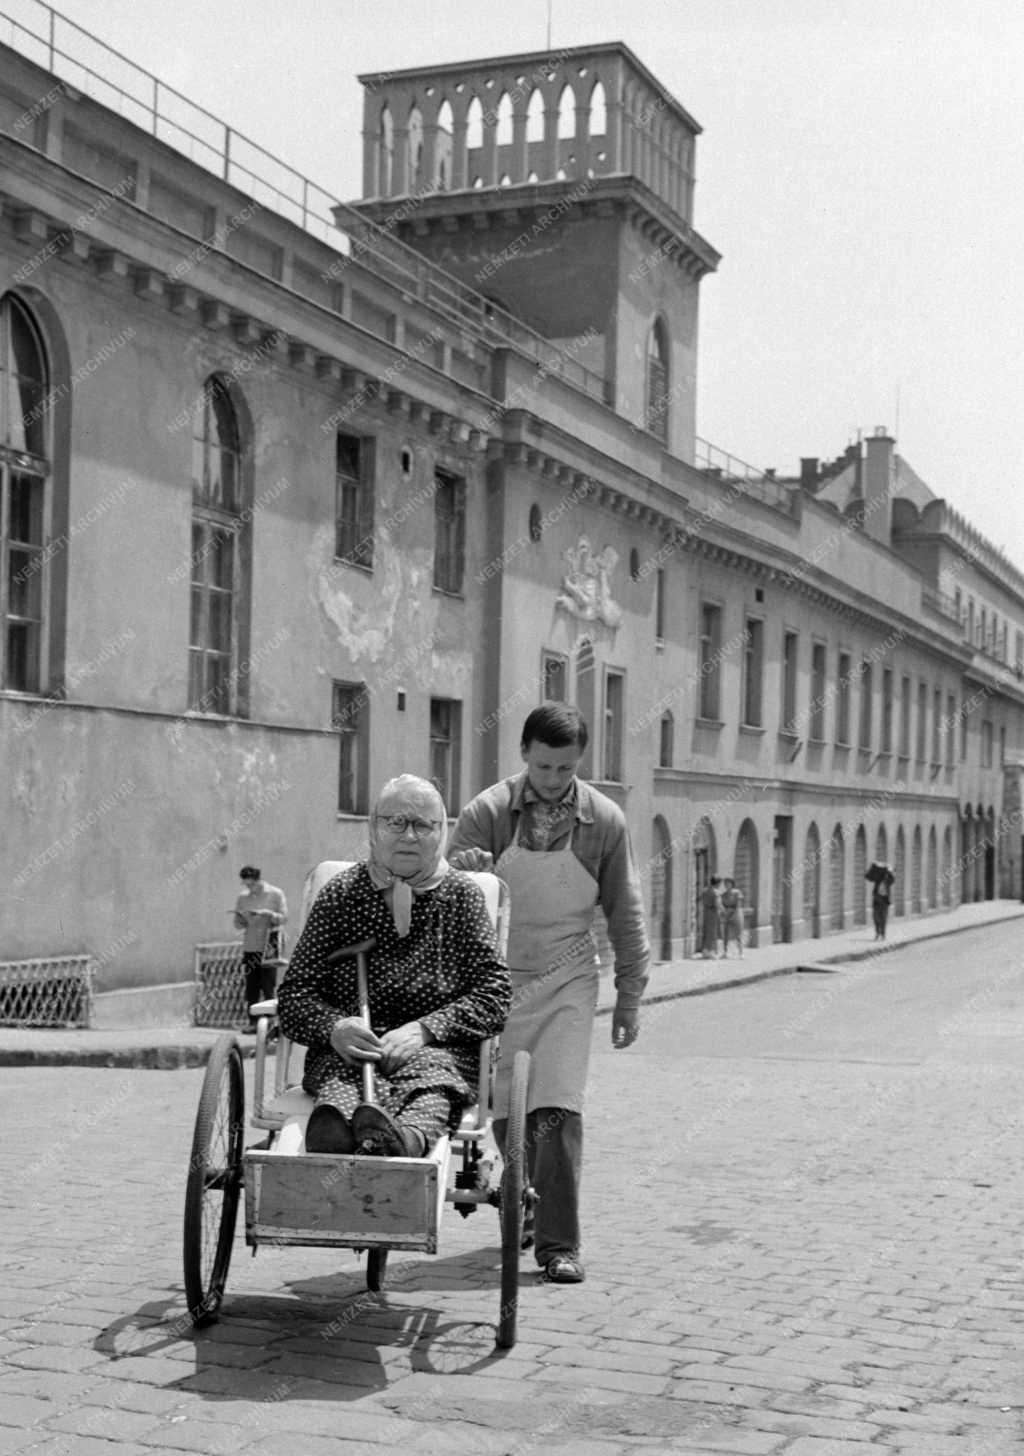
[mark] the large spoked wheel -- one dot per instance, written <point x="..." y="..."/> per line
<point x="376" y="1265"/>
<point x="214" y="1182"/>
<point x="513" y="1201"/>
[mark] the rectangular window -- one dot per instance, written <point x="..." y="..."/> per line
<point x="819" y="669"/>
<point x="753" y="672"/>
<point x="1002" y="746"/>
<point x="790" y="646"/>
<point x="963" y="733"/>
<point x="950" y="731"/>
<point x="553" y="677"/>
<point x="843" y="699"/>
<point x="350" y="719"/>
<point x="614" y="686"/>
<point x="922" y="721"/>
<point x="937" y="726"/>
<point x="886" y="744"/>
<point x="867" y="689"/>
<point x="23" y="571"/>
<point x="449" y="532"/>
<point x="1019" y="654"/>
<point x="986" y="743"/>
<point x="905" y="705"/>
<point x="659" y="604"/>
<point x="354" y="501"/>
<point x="445" y="749"/>
<point x="710" y="655"/>
<point x="212" y="616"/>
<point x="586" y="701"/>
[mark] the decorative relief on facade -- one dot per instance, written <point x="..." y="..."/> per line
<point x="586" y="586"/>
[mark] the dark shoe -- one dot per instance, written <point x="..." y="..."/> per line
<point x="563" y="1269"/>
<point x="329" y="1131"/>
<point x="379" y="1135"/>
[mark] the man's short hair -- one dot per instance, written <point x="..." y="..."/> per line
<point x="249" y="872"/>
<point x="556" y="724"/>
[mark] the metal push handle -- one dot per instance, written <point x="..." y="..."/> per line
<point x="360" y="952"/>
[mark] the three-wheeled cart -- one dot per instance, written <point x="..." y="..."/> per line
<point x="341" y="1200"/>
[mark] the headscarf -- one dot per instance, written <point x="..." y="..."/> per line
<point x="398" y="891"/>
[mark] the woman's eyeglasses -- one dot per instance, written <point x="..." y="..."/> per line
<point x="398" y="824"/>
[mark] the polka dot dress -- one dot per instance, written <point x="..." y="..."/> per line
<point x="445" y="973"/>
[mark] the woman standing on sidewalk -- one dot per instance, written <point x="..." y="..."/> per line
<point x="711" y="907"/>
<point x="732" y="917"/>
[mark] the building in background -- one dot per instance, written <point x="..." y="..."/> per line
<point x="300" y="494"/>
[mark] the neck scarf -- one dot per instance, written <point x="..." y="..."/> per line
<point x="398" y="893"/>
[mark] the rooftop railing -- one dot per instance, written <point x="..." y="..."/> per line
<point x="756" y="484"/>
<point x="98" y="71"/>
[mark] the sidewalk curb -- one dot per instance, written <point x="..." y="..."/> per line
<point x="171" y="1058"/>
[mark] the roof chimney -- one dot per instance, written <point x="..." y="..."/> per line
<point x="879" y="484"/>
<point x="809" y="472"/>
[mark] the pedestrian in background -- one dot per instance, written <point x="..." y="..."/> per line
<point x="711" y="908"/>
<point x="881" y="876"/>
<point x="259" y="912"/>
<point x="563" y="850"/>
<point x="732" y="916"/>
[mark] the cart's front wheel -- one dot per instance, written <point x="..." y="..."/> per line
<point x="513" y="1195"/>
<point x="214" y="1182"/>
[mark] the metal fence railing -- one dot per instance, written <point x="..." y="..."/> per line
<point x="50" y="991"/>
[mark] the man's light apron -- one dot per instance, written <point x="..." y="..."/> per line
<point x="552" y="959"/>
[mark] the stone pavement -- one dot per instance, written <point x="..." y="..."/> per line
<point x="189" y="1046"/>
<point x="802" y="1211"/>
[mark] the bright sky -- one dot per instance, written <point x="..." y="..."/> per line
<point x="861" y="171"/>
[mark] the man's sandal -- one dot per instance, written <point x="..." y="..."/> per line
<point x="563" y="1269"/>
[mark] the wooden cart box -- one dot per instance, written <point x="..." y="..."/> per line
<point x="326" y="1198"/>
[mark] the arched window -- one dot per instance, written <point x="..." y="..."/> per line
<point x="585" y="699"/>
<point x="598" y="111"/>
<point x="215" y="560"/>
<point x="947" y="866"/>
<point x="860" y="886"/>
<point x="811" y="872"/>
<point x="566" y="114"/>
<point x="415" y="166"/>
<point x="899" y="869"/>
<point x="915" y="871"/>
<point x="661" y="890"/>
<point x="837" y="878"/>
<point x="475" y="125"/>
<point x="443" y="145"/>
<point x="666" y="745"/>
<point x="746" y="870"/>
<point x="25" y="450"/>
<point x="504" y="113"/>
<point x="933" y="869"/>
<point x="387" y="153"/>
<point x="657" y="397"/>
<point x="535" y="118"/>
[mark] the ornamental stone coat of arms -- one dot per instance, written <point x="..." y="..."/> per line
<point x="586" y="586"/>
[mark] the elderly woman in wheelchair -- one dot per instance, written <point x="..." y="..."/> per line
<point x="437" y="987"/>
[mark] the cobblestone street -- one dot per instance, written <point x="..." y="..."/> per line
<point x="802" y="1206"/>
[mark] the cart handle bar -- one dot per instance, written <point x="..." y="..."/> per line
<point x="360" y="951"/>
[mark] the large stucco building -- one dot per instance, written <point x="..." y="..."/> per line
<point x="297" y="495"/>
